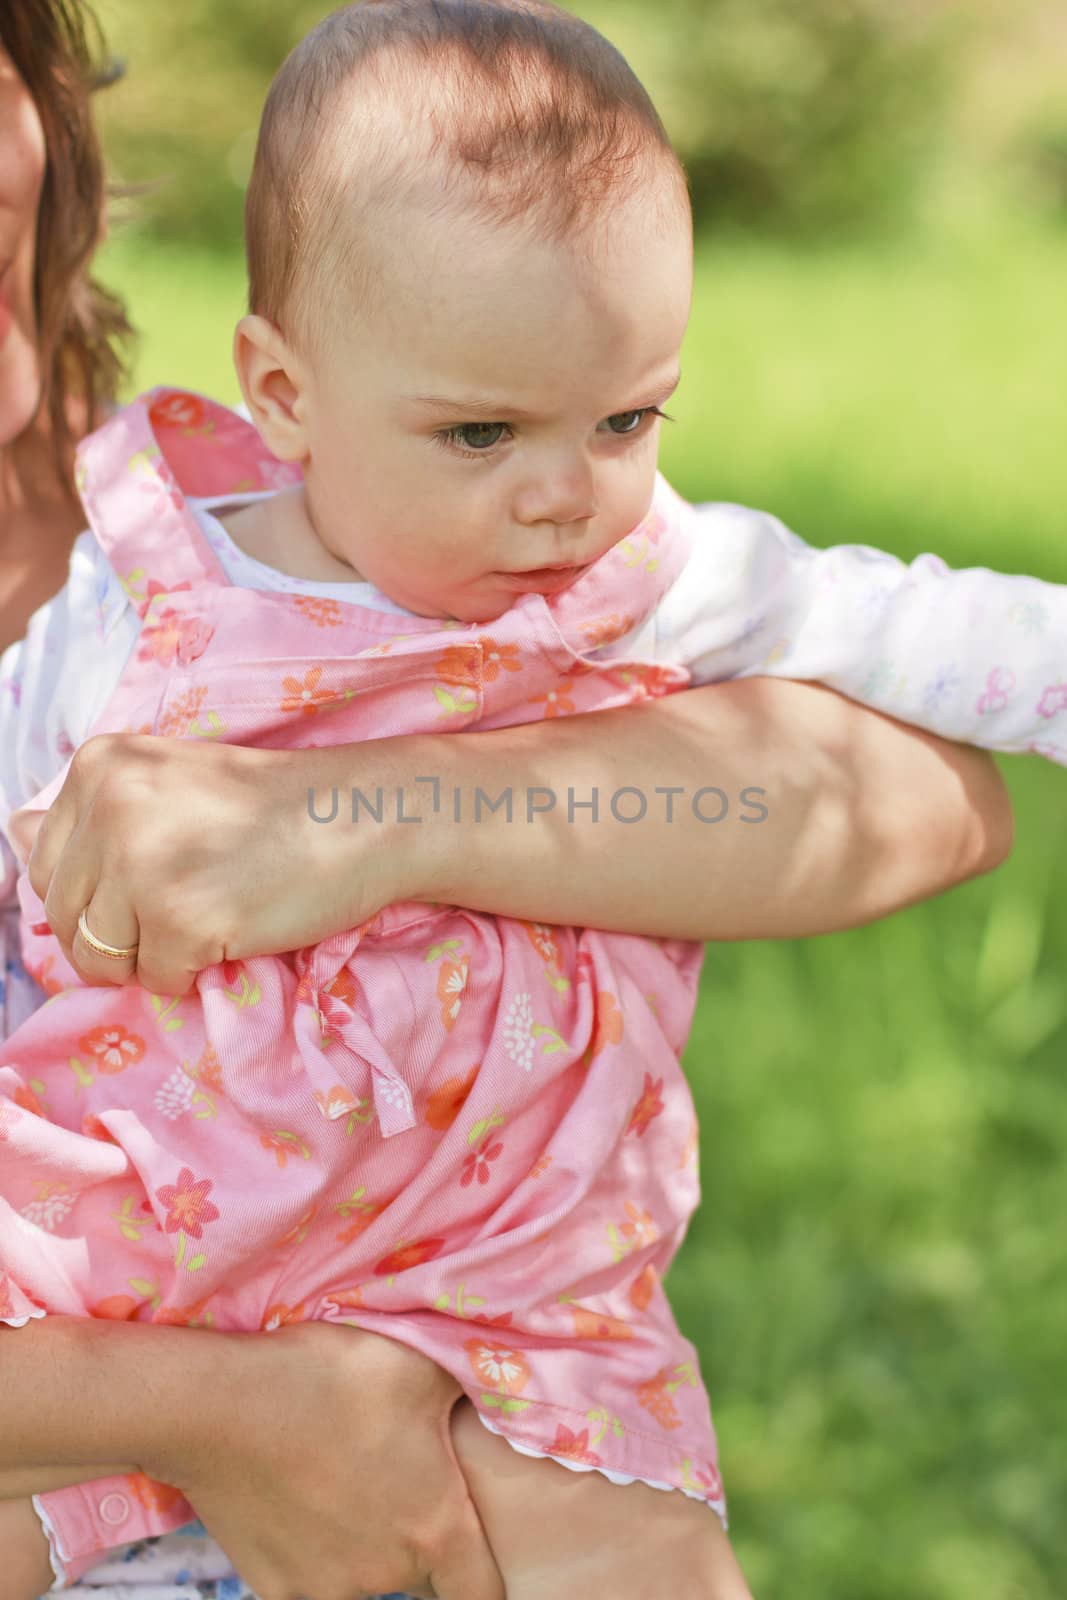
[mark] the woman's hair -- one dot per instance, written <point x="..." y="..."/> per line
<point x="56" y="46"/>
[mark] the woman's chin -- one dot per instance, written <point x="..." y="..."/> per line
<point x="20" y="385"/>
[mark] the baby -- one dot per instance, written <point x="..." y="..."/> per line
<point x="469" y="246"/>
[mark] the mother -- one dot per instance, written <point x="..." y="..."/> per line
<point x="202" y="852"/>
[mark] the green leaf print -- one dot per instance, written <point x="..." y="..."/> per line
<point x="461" y="703"/>
<point x="164" y="1012"/>
<point x="83" y="1075"/>
<point x="436" y="951"/>
<point x="212" y="731"/>
<point x="129" y="1225"/>
<point x="480" y="1129"/>
<point x="556" y="1045"/>
<point x="291" y="1138"/>
<point x="683" y="1375"/>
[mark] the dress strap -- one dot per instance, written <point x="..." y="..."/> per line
<point x="135" y="473"/>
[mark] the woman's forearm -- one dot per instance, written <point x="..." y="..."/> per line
<point x="83" y="1399"/>
<point x="862" y="815"/>
<point x="765" y="809"/>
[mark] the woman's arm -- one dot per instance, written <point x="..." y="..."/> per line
<point x="373" y="1502"/>
<point x="211" y="852"/>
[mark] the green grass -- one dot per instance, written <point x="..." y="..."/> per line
<point x="876" y="1280"/>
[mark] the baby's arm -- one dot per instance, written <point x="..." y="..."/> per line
<point x="26" y="1571"/>
<point x="971" y="655"/>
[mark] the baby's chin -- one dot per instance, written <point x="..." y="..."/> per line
<point x="469" y="610"/>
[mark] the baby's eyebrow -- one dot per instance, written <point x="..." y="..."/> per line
<point x="496" y="409"/>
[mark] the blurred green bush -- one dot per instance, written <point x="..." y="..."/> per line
<point x="825" y="115"/>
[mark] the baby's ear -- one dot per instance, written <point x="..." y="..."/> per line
<point x="271" y="377"/>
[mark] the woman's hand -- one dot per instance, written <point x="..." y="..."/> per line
<point x="338" y="1476"/>
<point x="202" y="854"/>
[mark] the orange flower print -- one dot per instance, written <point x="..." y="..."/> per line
<point x="557" y="702"/>
<point x="332" y="1017"/>
<point x="284" y="1144"/>
<point x="647" y="682"/>
<point x="116" y="1308"/>
<point x="177" y="410"/>
<point x="408" y="1255"/>
<point x="451" y="982"/>
<point x="540" y="1166"/>
<point x="347" y="1297"/>
<point x="648" y="1107"/>
<point x="93" y="1128"/>
<point x="360" y="1223"/>
<point x="26" y="1098"/>
<point x="608" y="1028"/>
<point x="180" y="1316"/>
<point x="306" y="696"/>
<point x="323" y="613"/>
<point x="502" y="1321"/>
<point x="477" y="1163"/>
<point x="343" y="988"/>
<point x="183" y="712"/>
<point x="498" y="1367"/>
<point x="593" y="1325"/>
<point x="172" y="636"/>
<point x="208" y="1070"/>
<point x="188" y="1206"/>
<point x="543" y="940"/>
<point x="278" y="1316"/>
<point x="498" y="658"/>
<point x="447" y="1101"/>
<point x="573" y="1446"/>
<point x="640" y="1228"/>
<point x="298" y="1232"/>
<point x="337" y="1103"/>
<point x="115" y="1049"/>
<point x="457" y="666"/>
<point x="153" y="587"/>
<point x="643" y="1288"/>
<point x="605" y="630"/>
<point x="152" y="1495"/>
<point x="656" y="1399"/>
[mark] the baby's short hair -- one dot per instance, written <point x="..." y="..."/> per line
<point x="514" y="111"/>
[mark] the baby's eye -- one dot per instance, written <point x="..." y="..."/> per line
<point x="477" y="435"/>
<point x="626" y="422"/>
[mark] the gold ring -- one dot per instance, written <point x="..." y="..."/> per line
<point x="112" y="951"/>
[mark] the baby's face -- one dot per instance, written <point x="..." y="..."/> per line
<point x="492" y="414"/>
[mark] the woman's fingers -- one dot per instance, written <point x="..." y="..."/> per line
<point x="108" y="920"/>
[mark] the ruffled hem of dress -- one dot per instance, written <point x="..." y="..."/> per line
<point x="20" y="1321"/>
<point x="718" y="1506"/>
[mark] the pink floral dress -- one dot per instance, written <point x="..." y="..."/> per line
<point x="468" y="1133"/>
